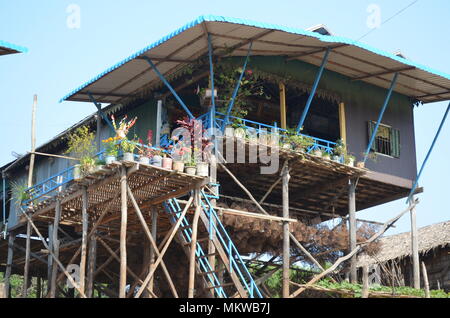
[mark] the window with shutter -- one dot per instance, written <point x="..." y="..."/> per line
<point x="387" y="140"/>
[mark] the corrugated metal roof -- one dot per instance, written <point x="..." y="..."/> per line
<point x="348" y="57"/>
<point x="9" y="48"/>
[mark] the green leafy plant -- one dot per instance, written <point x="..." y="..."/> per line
<point x="298" y="141"/>
<point x="18" y="191"/>
<point x="81" y="145"/>
<point x="340" y="149"/>
<point x="348" y="158"/>
<point x="128" y="146"/>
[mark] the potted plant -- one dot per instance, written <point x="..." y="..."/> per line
<point x="156" y="157"/>
<point x="81" y="145"/>
<point x="326" y="155"/>
<point x="166" y="161"/>
<point x="339" y="150"/>
<point x="317" y="152"/>
<point x="190" y="166"/>
<point x="202" y="169"/>
<point x="179" y="155"/>
<point x="349" y="160"/>
<point x="111" y="150"/>
<point x="128" y="147"/>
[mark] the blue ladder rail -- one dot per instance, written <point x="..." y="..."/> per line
<point x="215" y="228"/>
<point x="172" y="207"/>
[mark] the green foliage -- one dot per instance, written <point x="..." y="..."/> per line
<point x="19" y="193"/>
<point x="299" y="142"/>
<point x="357" y="289"/>
<point x="128" y="146"/>
<point x="340" y="149"/>
<point x="81" y="143"/>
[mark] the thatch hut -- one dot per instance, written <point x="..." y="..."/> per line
<point x="394" y="257"/>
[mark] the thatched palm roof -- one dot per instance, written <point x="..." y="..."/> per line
<point x="399" y="246"/>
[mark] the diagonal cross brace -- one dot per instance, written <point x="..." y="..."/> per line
<point x="236" y="89"/>
<point x="380" y="117"/>
<point x="313" y="91"/>
<point x="102" y="114"/>
<point x="163" y="79"/>
<point x="416" y="182"/>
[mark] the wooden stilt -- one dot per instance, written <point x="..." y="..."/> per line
<point x="352" y="228"/>
<point x="283" y="121"/>
<point x="27" y="262"/>
<point x="55" y="244"/>
<point x="50" y="259"/>
<point x="152" y="250"/>
<point x="11" y="239"/>
<point x="286" y="243"/>
<point x="425" y="280"/>
<point x="365" y="279"/>
<point x="123" y="233"/>
<point x="192" y="260"/>
<point x="215" y="190"/>
<point x="38" y="287"/>
<point x="92" y="261"/>
<point x="415" y="250"/>
<point x="84" y="239"/>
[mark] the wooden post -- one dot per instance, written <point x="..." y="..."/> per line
<point x="92" y="261"/>
<point x="215" y="190"/>
<point x="27" y="262"/>
<point x="2" y="291"/>
<point x="365" y="279"/>
<point x="11" y="239"/>
<point x="286" y="241"/>
<point x="192" y="260"/>
<point x="283" y="120"/>
<point x="425" y="280"/>
<point x="342" y="123"/>
<point x="415" y="249"/>
<point x="84" y="219"/>
<point x="99" y="130"/>
<point x="38" y="287"/>
<point x="49" y="258"/>
<point x="352" y="228"/>
<point x="33" y="141"/>
<point x="55" y="245"/>
<point x="152" y="250"/>
<point x="123" y="233"/>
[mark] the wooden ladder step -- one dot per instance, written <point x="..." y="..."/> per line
<point x="208" y="272"/>
<point x="208" y="255"/>
<point x="218" y="286"/>
<point x="203" y="239"/>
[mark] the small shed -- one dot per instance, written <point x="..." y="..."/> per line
<point x="394" y="258"/>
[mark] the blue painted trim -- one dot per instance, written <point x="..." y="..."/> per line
<point x="380" y="117"/>
<point x="236" y="89"/>
<point x="163" y="79"/>
<point x="10" y="46"/>
<point x="99" y="108"/>
<point x="313" y="91"/>
<point x="416" y="182"/>
<point x="211" y="78"/>
<point x="212" y="18"/>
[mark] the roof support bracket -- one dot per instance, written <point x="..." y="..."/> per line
<point x="380" y="117"/>
<point x="163" y="79"/>
<point x="313" y="90"/>
<point x="416" y="182"/>
<point x="100" y="112"/>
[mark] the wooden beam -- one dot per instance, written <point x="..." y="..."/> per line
<point x="342" y="123"/>
<point x="9" y="261"/>
<point x="92" y="262"/>
<point x="425" y="281"/>
<point x="193" y="249"/>
<point x="55" y="245"/>
<point x="153" y="244"/>
<point x="84" y="218"/>
<point x="387" y="72"/>
<point x="415" y="249"/>
<point x="352" y="228"/>
<point x="286" y="231"/>
<point x="256" y="215"/>
<point x="123" y="232"/>
<point x="27" y="262"/>
<point x="164" y="250"/>
<point x="283" y="120"/>
<point x="154" y="233"/>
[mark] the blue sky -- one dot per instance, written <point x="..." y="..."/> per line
<point x="61" y="58"/>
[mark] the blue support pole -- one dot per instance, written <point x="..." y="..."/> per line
<point x="212" y="115"/>
<point x="102" y="114"/>
<point x="313" y="91"/>
<point x="416" y="182"/>
<point x="380" y="117"/>
<point x="163" y="79"/>
<point x="236" y="89"/>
